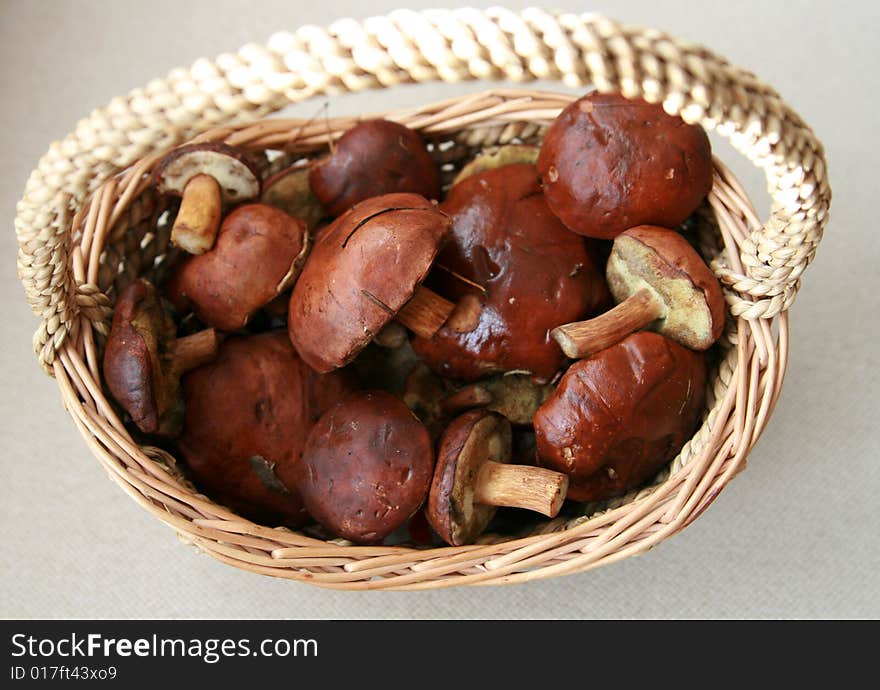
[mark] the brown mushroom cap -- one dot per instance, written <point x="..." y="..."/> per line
<point x="289" y="190"/>
<point x="367" y="467"/>
<point x="362" y="270"/>
<point x="616" y="418"/>
<point x="661" y="260"/>
<point x="608" y="163"/>
<point x="248" y="415"/>
<point x="534" y="273"/>
<point x="374" y="158"/>
<point x="258" y="254"/>
<point x="136" y="361"/>
<point x="233" y="169"/>
<point x="143" y="360"/>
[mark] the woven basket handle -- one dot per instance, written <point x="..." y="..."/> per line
<point x="406" y="47"/>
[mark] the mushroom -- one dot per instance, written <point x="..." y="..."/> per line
<point x="660" y="282"/>
<point x="205" y="176"/>
<point x="258" y="256"/>
<point x="473" y="477"/>
<point x="514" y="396"/>
<point x="366" y="467"/>
<point x="515" y="272"/>
<point x="143" y="361"/>
<point x="373" y="158"/>
<point x="616" y="418"/>
<point x="248" y="415"/>
<point x="289" y="190"/>
<point x="365" y="270"/>
<point x="608" y="163"/>
<point x="508" y="154"/>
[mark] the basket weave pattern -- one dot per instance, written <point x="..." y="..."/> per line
<point x="89" y="222"/>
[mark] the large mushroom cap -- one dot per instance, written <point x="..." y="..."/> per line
<point x="248" y="416"/>
<point x="367" y="467"/>
<point x="362" y="270"/>
<point x="258" y="254"/>
<point x="233" y="169"/>
<point x="608" y="163"/>
<point x="534" y="273"/>
<point x="470" y="441"/>
<point x="616" y="418"/>
<point x="137" y="363"/>
<point x="373" y="158"/>
<point x="661" y="260"/>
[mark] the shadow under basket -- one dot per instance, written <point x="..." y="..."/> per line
<point x="90" y="222"/>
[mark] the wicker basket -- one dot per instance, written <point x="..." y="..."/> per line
<point x="89" y="223"/>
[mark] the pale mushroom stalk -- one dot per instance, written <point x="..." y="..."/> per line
<point x="521" y="486"/>
<point x="425" y="313"/>
<point x="194" y="350"/>
<point x="580" y="339"/>
<point x="198" y="219"/>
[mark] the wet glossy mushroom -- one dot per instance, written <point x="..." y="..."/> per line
<point x="515" y="272"/>
<point x="206" y="176"/>
<point x="258" y="256"/>
<point x="367" y="467"/>
<point x="143" y="360"/>
<point x="660" y="282"/>
<point x="373" y="158"/>
<point x="608" y="163"/>
<point x="364" y="271"/>
<point x="617" y="418"/>
<point x="248" y="415"/>
<point x="473" y="478"/>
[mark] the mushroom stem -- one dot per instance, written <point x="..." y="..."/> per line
<point x="198" y="218"/>
<point x="192" y="351"/>
<point x="583" y="338"/>
<point x="466" y="398"/>
<point x="425" y="313"/>
<point x="521" y="486"/>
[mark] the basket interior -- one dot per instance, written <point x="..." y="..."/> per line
<point x="126" y="228"/>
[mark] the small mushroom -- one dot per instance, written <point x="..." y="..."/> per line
<point x="364" y="271"/>
<point x="660" y="282"/>
<point x="515" y="272"/>
<point x="473" y="477"/>
<point x="608" y="163"/>
<point x="508" y="154"/>
<point x="514" y="396"/>
<point x="289" y="190"/>
<point x="373" y="158"/>
<point x="143" y="361"/>
<point x="205" y="176"/>
<point x="616" y="418"/>
<point x="258" y="256"/>
<point x="366" y="467"/>
<point x="248" y="415"/>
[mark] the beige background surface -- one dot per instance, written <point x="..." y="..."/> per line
<point x="793" y="536"/>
